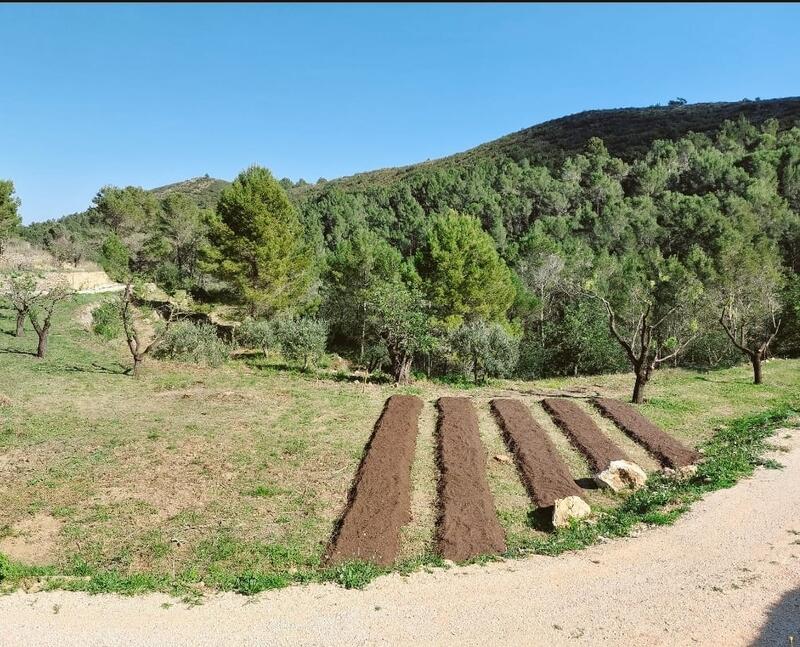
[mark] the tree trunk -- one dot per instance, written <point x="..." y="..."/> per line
<point x="137" y="365"/>
<point x="42" y="348"/>
<point x="363" y="334"/>
<point x="402" y="369"/>
<point x="642" y="376"/>
<point x="20" y="324"/>
<point x="755" y="359"/>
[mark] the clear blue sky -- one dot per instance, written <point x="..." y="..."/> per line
<point x="148" y="95"/>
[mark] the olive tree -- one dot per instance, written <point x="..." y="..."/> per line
<point x="485" y="349"/>
<point x="397" y="316"/>
<point x="652" y="306"/>
<point x="750" y="302"/>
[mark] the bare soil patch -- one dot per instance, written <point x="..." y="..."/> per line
<point x="669" y="451"/>
<point x="379" y="503"/>
<point x="543" y="472"/>
<point x="584" y="433"/>
<point x="32" y="540"/>
<point x="467" y="524"/>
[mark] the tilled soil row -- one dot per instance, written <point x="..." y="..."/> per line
<point x="584" y="433"/>
<point x="669" y="451"/>
<point x="467" y="524"/>
<point x="543" y="472"/>
<point x="379" y="503"/>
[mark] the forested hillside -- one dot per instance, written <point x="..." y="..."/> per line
<point x="673" y="237"/>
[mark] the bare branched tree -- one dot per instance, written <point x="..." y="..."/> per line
<point x="42" y="310"/>
<point x="21" y="292"/>
<point x="140" y="342"/>
<point x="646" y="342"/>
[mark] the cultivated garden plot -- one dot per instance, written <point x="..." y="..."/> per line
<point x="671" y="452"/>
<point x="584" y="433"/>
<point x="545" y="475"/>
<point x="468" y="525"/>
<point x="380" y="498"/>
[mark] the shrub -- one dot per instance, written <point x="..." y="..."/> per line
<point x="190" y="342"/>
<point x="302" y="339"/>
<point x="485" y="349"/>
<point x="256" y="333"/>
<point x="106" y="321"/>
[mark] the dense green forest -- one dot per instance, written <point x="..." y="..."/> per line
<point x="674" y="237"/>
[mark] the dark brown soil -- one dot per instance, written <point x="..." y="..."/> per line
<point x="669" y="451"/>
<point x="584" y="433"/>
<point x="379" y="503"/>
<point x="544" y="474"/>
<point x="467" y="525"/>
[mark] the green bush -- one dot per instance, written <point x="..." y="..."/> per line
<point x="106" y="321"/>
<point x="256" y="333"/>
<point x="485" y="349"/>
<point x="186" y="341"/>
<point x="302" y="339"/>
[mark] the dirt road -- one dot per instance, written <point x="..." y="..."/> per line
<point x="728" y="573"/>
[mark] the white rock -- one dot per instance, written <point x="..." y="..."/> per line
<point x="568" y="508"/>
<point x="621" y="475"/>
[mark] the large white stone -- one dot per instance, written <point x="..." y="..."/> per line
<point x="568" y="508"/>
<point x="621" y="475"/>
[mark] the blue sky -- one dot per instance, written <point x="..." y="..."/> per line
<point x="152" y="94"/>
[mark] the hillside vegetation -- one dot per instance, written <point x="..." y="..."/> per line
<point x="626" y="132"/>
<point x="204" y="191"/>
<point x="671" y="239"/>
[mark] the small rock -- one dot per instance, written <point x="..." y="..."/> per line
<point x="502" y="458"/>
<point x="687" y="471"/>
<point x="568" y="508"/>
<point x="621" y="475"/>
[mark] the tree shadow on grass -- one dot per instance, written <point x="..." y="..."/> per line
<point x="740" y="380"/>
<point x="258" y="363"/>
<point x="118" y="369"/>
<point x="783" y="623"/>
<point x="15" y="351"/>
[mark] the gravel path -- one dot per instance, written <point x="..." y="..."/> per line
<point x="727" y="573"/>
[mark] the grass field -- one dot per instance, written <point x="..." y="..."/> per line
<point x="232" y="478"/>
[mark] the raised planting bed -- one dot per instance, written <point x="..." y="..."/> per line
<point x="379" y="503"/>
<point x="584" y="433"/>
<point x="467" y="524"/>
<point x="543" y="472"/>
<point x="669" y="451"/>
